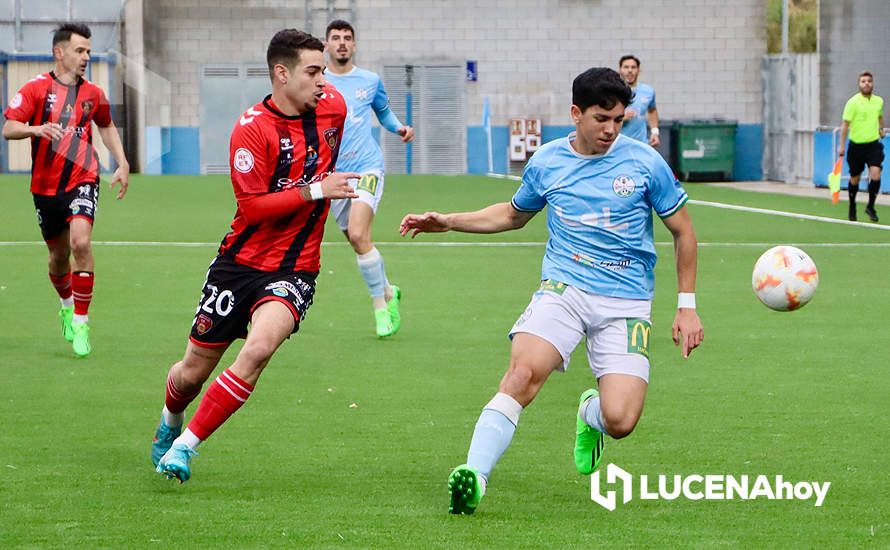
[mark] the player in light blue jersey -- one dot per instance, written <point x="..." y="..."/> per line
<point x="641" y="114"/>
<point x="600" y="189"/>
<point x="360" y="152"/>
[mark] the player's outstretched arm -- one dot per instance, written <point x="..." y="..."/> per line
<point x="491" y="219"/>
<point x="687" y="330"/>
<point x="269" y="206"/>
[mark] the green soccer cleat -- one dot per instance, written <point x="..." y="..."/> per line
<point x="65" y="316"/>
<point x="81" y="341"/>
<point x="384" y="323"/>
<point x="588" y="441"/>
<point x="175" y="463"/>
<point x="465" y="488"/>
<point x="393" y="307"/>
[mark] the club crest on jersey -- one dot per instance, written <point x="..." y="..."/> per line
<point x="16" y="101"/>
<point x="203" y="323"/>
<point x="623" y="186"/>
<point x="242" y="160"/>
<point x="330" y="137"/>
<point x="86" y="107"/>
<point x="362" y="93"/>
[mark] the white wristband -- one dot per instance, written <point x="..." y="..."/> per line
<point x="686" y="300"/>
<point x="654" y="131"/>
<point x="315" y="191"/>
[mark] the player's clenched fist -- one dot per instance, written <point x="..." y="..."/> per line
<point x="429" y="222"/>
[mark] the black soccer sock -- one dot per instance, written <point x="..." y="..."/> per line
<point x="852" y="190"/>
<point x="874" y="187"/>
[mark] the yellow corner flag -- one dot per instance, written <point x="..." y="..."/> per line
<point x="834" y="181"/>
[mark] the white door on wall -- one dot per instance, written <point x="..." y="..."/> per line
<point x="438" y="115"/>
<point x="226" y="92"/>
<point x="790" y="116"/>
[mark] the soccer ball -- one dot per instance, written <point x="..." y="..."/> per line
<point x="784" y="278"/>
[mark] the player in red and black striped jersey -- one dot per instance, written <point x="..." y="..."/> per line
<point x="57" y="110"/>
<point x="282" y="154"/>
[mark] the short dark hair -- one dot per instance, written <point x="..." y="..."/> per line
<point x="600" y="86"/>
<point x="866" y="73"/>
<point x="626" y="57"/>
<point x="339" y="25"/>
<point x="285" y="46"/>
<point x="63" y="32"/>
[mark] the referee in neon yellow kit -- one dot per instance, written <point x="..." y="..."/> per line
<point x="864" y="120"/>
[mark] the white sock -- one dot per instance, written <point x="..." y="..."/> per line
<point x="493" y="433"/>
<point x="373" y="272"/>
<point x="483" y="483"/>
<point x="592" y="413"/>
<point x="172" y="419"/>
<point x="79" y="319"/>
<point x="67" y="302"/>
<point x="189" y="439"/>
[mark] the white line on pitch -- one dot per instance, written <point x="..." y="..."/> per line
<point x="455" y="244"/>
<point x="787" y="214"/>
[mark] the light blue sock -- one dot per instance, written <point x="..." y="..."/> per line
<point x="371" y="266"/>
<point x="493" y="433"/>
<point x="593" y="414"/>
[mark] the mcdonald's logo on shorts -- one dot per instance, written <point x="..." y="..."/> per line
<point x="638" y="336"/>
<point x="367" y="183"/>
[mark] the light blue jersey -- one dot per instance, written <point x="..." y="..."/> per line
<point x="600" y="213"/>
<point x="644" y="100"/>
<point x="364" y="92"/>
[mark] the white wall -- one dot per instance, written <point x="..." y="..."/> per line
<point x="702" y="56"/>
<point x="854" y="36"/>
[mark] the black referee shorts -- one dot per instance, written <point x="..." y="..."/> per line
<point x="861" y="154"/>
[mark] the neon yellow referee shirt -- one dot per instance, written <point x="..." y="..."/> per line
<point x="863" y="113"/>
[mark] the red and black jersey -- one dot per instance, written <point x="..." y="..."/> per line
<point x="59" y="165"/>
<point x="271" y="152"/>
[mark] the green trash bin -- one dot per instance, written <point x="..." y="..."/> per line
<point x="705" y="149"/>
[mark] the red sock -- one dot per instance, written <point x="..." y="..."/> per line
<point x="176" y="400"/>
<point x="82" y="284"/>
<point x="224" y="396"/>
<point x="62" y="283"/>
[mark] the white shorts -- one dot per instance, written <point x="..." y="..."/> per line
<point x="617" y="329"/>
<point x="369" y="190"/>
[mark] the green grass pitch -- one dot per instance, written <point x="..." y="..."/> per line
<point x="348" y="440"/>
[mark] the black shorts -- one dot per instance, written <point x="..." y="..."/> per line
<point x="232" y="292"/>
<point x="54" y="212"/>
<point x="861" y="154"/>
